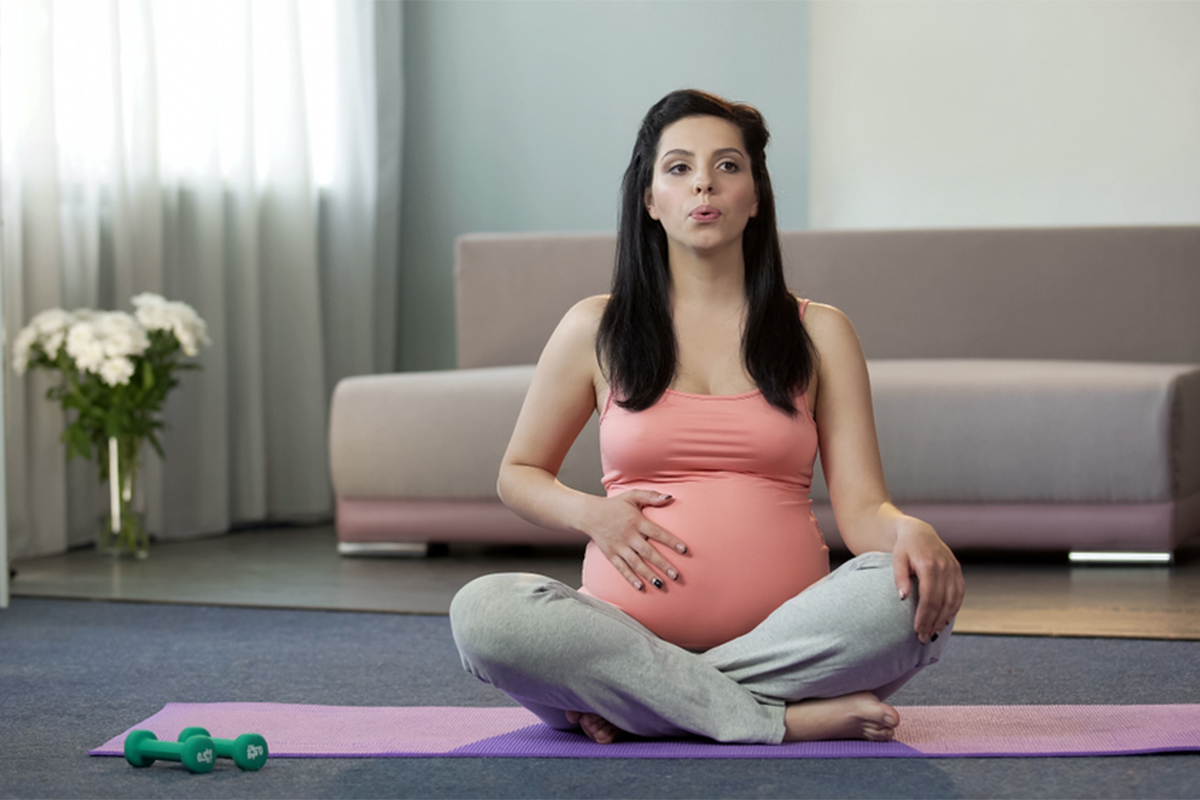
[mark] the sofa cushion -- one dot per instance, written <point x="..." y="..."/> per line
<point x="950" y="431"/>
<point x="1023" y="454"/>
<point x="437" y="435"/>
<point x="511" y="290"/>
<point x="1117" y="293"/>
<point x="1000" y="431"/>
<point x="1114" y="293"/>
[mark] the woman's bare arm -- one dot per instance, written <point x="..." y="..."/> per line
<point x="561" y="398"/>
<point x="866" y="517"/>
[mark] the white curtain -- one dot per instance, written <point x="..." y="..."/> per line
<point x="242" y="156"/>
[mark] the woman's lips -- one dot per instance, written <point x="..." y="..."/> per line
<point x="705" y="213"/>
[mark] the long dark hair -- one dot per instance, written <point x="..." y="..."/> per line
<point x="636" y="342"/>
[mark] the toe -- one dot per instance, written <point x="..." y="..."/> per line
<point x="599" y="729"/>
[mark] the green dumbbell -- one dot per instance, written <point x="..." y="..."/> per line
<point x="248" y="751"/>
<point x="198" y="754"/>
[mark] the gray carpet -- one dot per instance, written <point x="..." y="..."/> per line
<point x="73" y="674"/>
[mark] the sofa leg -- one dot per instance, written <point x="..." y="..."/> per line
<point x="405" y="549"/>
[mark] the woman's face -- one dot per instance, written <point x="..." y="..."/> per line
<point x="702" y="192"/>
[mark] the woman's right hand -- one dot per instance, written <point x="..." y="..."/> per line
<point x="622" y="532"/>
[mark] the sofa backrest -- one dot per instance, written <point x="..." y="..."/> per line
<point x="1093" y="294"/>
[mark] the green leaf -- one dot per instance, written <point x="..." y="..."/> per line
<point x="78" y="442"/>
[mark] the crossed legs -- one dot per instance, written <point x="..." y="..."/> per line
<point x="830" y="655"/>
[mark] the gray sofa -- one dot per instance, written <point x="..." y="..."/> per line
<point x="1034" y="389"/>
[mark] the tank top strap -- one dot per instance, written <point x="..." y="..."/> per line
<point x="803" y="306"/>
<point x="608" y="401"/>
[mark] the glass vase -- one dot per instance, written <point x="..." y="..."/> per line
<point x="123" y="529"/>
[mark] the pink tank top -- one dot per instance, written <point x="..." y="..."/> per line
<point x="740" y="471"/>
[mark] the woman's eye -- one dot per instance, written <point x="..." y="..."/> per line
<point x="677" y="169"/>
<point x="728" y="166"/>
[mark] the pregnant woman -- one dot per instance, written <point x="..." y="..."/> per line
<point x="707" y="606"/>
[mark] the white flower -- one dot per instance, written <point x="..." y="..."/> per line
<point x="52" y="321"/>
<point x="52" y="342"/>
<point x="84" y="346"/>
<point x="148" y="299"/>
<point x="21" y="347"/>
<point x="47" y="330"/>
<point x="151" y="311"/>
<point x="116" y="370"/>
<point x="156" y="313"/>
<point x="104" y="342"/>
<point x="121" y="333"/>
<point x="107" y="336"/>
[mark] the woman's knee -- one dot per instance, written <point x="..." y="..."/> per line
<point x="492" y="612"/>
<point x="474" y="607"/>
<point x="886" y="617"/>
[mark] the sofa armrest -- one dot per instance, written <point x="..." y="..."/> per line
<point x="437" y="435"/>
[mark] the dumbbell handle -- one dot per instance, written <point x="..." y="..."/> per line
<point x="142" y="747"/>
<point x="248" y="751"/>
<point x="167" y="751"/>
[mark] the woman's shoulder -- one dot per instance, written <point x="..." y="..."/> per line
<point x="591" y="308"/>
<point x="576" y="333"/>
<point x="821" y="315"/>
<point x="583" y="318"/>
<point x="828" y="326"/>
<point x="571" y="350"/>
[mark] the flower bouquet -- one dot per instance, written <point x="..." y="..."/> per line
<point x="117" y="369"/>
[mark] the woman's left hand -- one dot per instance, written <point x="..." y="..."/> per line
<point x="920" y="551"/>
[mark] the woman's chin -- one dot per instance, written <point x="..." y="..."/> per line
<point x="710" y="241"/>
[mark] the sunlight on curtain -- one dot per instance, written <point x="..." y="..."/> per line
<point x="220" y="152"/>
<point x="192" y="57"/>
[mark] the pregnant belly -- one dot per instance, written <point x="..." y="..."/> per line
<point x="752" y="545"/>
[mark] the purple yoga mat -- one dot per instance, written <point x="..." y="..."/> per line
<point x="304" y="731"/>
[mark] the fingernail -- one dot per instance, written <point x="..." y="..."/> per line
<point x="664" y="496"/>
<point x="681" y="548"/>
<point x="637" y="585"/>
<point x="903" y="596"/>
<point x="934" y="638"/>
<point x="658" y="584"/>
<point x="674" y="575"/>
<point x="889" y="719"/>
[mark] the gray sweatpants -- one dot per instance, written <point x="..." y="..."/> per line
<point x="554" y="650"/>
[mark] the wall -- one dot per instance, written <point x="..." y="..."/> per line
<point x="957" y="114"/>
<point x="520" y="116"/>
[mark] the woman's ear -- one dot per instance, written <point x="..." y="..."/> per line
<point x="648" y="200"/>
<point x="754" y="208"/>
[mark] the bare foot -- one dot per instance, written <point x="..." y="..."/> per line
<point x="853" y="716"/>
<point x="597" y="728"/>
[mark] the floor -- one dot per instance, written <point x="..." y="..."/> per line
<point x="298" y="567"/>
<point x="76" y="673"/>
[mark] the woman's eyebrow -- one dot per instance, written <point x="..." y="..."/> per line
<point x="676" y="151"/>
<point x="689" y="153"/>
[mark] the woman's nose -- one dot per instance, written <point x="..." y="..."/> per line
<point x="703" y="184"/>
